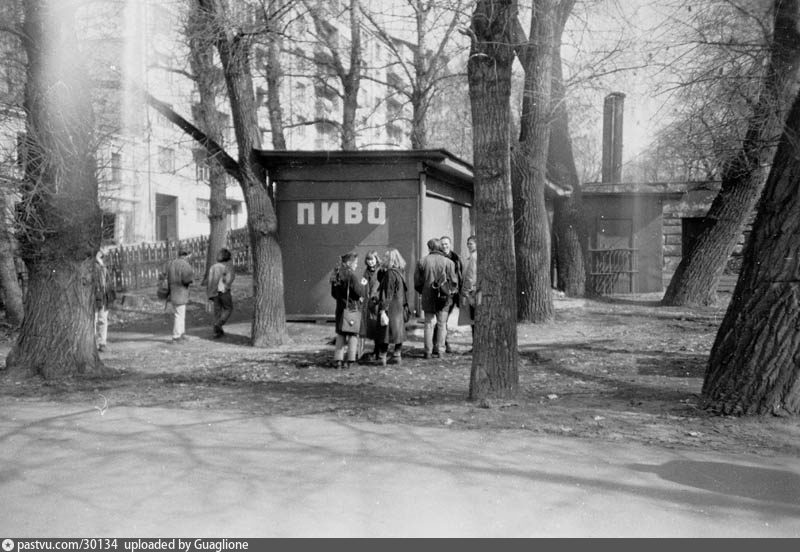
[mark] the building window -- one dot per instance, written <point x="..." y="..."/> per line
<point x="202" y="170"/>
<point x="109" y="226"/>
<point x="116" y="168"/>
<point x="203" y="209"/>
<point x="166" y="159"/>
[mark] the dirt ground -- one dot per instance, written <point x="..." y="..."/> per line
<point x="620" y="369"/>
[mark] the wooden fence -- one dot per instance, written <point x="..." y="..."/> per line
<point x="138" y="266"/>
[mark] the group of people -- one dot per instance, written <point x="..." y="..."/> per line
<point x="178" y="275"/>
<point x="373" y="305"/>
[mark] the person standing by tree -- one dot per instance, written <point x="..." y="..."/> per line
<point x="179" y="276"/>
<point x="435" y="280"/>
<point x="218" y="289"/>
<point x="469" y="284"/>
<point x="104" y="296"/>
<point x="348" y="290"/>
<point x="447" y="249"/>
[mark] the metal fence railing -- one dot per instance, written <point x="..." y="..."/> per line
<point x="613" y="270"/>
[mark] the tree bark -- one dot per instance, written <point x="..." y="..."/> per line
<point x="201" y="60"/>
<point x="570" y="236"/>
<point x="697" y="276"/>
<point x="269" y="319"/>
<point x="532" y="228"/>
<point x="494" y="362"/>
<point x="11" y="290"/>
<point x="753" y="367"/>
<point x="58" y="215"/>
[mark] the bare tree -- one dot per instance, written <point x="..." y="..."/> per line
<point x="569" y="235"/>
<point x="696" y="278"/>
<point x="207" y="77"/>
<point x="58" y="216"/>
<point x="11" y="121"/>
<point x="753" y="364"/>
<point x="235" y="50"/>
<point x="418" y="78"/>
<point x="529" y="170"/>
<point x="494" y="362"/>
<point x="340" y="61"/>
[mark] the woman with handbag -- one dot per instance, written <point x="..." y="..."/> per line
<point x="348" y="290"/>
<point x="393" y="301"/>
<point x="369" y="319"/>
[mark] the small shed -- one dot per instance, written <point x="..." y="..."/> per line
<point x="332" y="202"/>
<point x="626" y="237"/>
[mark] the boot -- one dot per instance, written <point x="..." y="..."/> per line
<point x="382" y="358"/>
<point x="397" y="358"/>
<point x="339" y="364"/>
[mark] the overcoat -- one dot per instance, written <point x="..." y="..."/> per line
<point x="392" y="293"/>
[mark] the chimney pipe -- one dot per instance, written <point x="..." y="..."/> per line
<point x="612" y="137"/>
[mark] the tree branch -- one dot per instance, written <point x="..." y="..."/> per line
<point x="215" y="150"/>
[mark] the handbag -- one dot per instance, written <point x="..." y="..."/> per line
<point x="406" y="313"/>
<point x="351" y="318"/>
<point x="384" y="318"/>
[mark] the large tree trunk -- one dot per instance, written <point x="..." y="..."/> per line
<point x="570" y="236"/>
<point x="11" y="290"/>
<point x="58" y="216"/>
<point x="753" y="368"/>
<point x="269" y="319"/>
<point x="494" y="361"/>
<point x="201" y="60"/>
<point x="697" y="276"/>
<point x="532" y="228"/>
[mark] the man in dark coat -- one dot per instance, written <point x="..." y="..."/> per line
<point x="436" y="281"/>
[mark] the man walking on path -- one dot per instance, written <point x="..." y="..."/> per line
<point x="218" y="289"/>
<point x="179" y="276"/>
<point x="436" y="281"/>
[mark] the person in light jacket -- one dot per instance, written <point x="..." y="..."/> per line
<point x="179" y="276"/>
<point x="104" y="296"/>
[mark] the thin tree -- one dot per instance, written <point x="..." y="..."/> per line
<point x="753" y="367"/>
<point x="494" y="362"/>
<point x="348" y="73"/>
<point x="235" y="49"/>
<point x="58" y="216"/>
<point x="418" y="78"/>
<point x="205" y="73"/>
<point x="569" y="234"/>
<point x="697" y="276"/>
<point x="529" y="170"/>
<point x="11" y="117"/>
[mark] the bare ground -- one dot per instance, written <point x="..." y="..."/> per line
<point x="620" y="369"/>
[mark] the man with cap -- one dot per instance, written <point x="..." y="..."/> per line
<point x="179" y="277"/>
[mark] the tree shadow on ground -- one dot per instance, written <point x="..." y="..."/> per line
<point x="731" y="479"/>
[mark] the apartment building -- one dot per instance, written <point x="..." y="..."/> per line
<point x="153" y="178"/>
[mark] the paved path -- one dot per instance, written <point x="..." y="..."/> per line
<point x="137" y="472"/>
